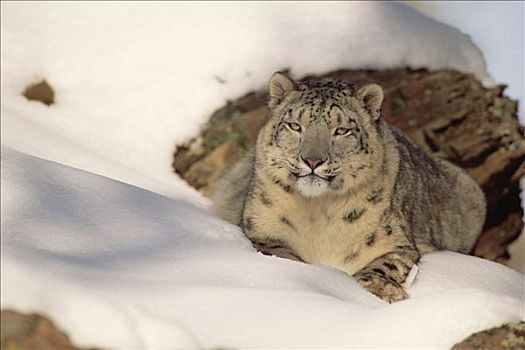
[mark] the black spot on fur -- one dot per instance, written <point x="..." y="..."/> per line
<point x="285" y="187"/>
<point x="287" y="222"/>
<point x="388" y="230"/>
<point x="390" y="266"/>
<point x="270" y="243"/>
<point x="370" y="238"/>
<point x="301" y="112"/>
<point x="272" y="246"/>
<point x="354" y="215"/>
<point x="375" y="196"/>
<point x="379" y="272"/>
<point x="265" y="200"/>
<point x="247" y="224"/>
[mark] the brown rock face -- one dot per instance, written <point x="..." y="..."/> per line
<point x="22" y="331"/>
<point x="449" y="114"/>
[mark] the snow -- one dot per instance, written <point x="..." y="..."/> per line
<point x="91" y="252"/>
<point x="96" y="230"/>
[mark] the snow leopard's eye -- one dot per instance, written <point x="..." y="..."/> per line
<point x="342" y="132"/>
<point x="294" y="126"/>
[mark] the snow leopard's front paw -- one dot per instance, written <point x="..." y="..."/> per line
<point x="382" y="286"/>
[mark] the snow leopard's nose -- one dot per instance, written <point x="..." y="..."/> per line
<point x="313" y="163"/>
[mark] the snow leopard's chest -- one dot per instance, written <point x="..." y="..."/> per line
<point x="346" y="233"/>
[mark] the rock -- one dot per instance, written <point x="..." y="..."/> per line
<point x="493" y="242"/>
<point x="253" y="121"/>
<point x="186" y="156"/>
<point x="41" y="91"/>
<point x="507" y="337"/>
<point x="203" y="175"/>
<point x="31" y="331"/>
<point x="449" y="114"/>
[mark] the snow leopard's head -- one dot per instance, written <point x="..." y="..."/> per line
<point x="322" y="136"/>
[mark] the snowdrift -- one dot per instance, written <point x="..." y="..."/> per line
<point x="118" y="266"/>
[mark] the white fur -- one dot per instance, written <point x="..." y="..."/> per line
<point x="311" y="186"/>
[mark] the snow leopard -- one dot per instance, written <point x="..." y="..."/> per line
<point x="330" y="182"/>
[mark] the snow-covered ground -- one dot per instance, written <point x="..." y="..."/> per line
<point x="134" y="250"/>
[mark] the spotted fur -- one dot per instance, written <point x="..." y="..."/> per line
<point x="332" y="183"/>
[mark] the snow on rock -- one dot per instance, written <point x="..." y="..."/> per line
<point x="133" y="79"/>
<point x="94" y="253"/>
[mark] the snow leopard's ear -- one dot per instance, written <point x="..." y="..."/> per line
<point x="280" y="85"/>
<point x="371" y="97"/>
